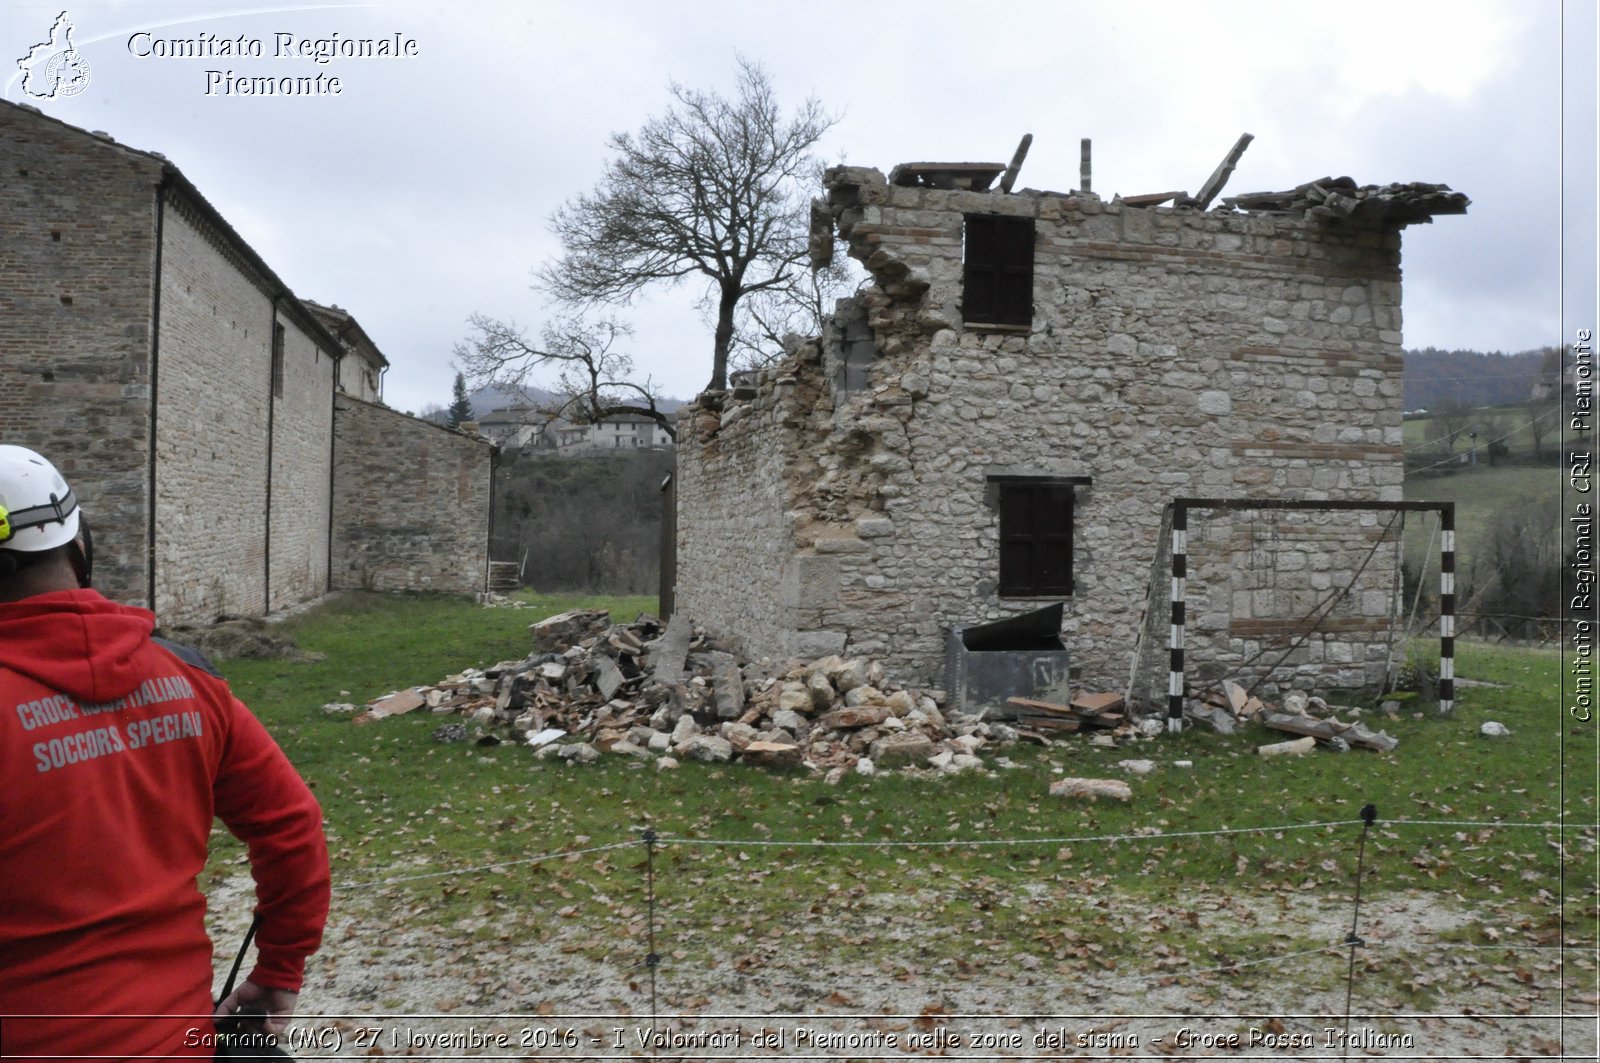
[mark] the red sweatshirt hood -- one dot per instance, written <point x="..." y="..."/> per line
<point x="75" y="642"/>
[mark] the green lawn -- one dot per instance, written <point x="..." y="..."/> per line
<point x="399" y="805"/>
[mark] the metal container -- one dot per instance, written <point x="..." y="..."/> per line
<point x="1020" y="656"/>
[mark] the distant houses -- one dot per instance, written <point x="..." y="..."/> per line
<point x="526" y="427"/>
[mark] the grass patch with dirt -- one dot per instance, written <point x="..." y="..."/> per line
<point x="981" y="872"/>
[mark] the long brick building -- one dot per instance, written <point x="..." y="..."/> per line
<point x="217" y="429"/>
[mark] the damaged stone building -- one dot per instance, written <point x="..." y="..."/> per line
<point x="1004" y="416"/>
<point x="227" y="439"/>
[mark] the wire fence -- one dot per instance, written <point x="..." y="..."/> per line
<point x="1038" y="1013"/>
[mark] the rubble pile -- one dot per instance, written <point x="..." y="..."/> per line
<point x="1228" y="706"/>
<point x="667" y="692"/>
<point x="1396" y="204"/>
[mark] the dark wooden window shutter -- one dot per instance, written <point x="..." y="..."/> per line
<point x="997" y="270"/>
<point x="1035" y="538"/>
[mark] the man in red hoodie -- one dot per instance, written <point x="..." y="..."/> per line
<point x="116" y="752"/>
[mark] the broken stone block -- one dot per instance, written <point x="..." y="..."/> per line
<point x="685" y="729"/>
<point x="969" y="743"/>
<point x="659" y="742"/>
<point x="820" y="691"/>
<point x="789" y="721"/>
<point x="666" y="763"/>
<point x="852" y="674"/>
<point x="556" y="633"/>
<point x="859" y="716"/>
<point x="1494" y="729"/>
<point x="1277" y="749"/>
<point x="772" y="752"/>
<point x="1094" y="789"/>
<point x="941" y="759"/>
<point x="864" y="766"/>
<point x="795" y="697"/>
<point x="727" y="684"/>
<point x="901" y="702"/>
<point x="578" y="753"/>
<point x="1138" y="767"/>
<point x="708" y="749"/>
<point x="739" y="735"/>
<point x="903" y="747"/>
<point x="966" y="762"/>
<point x="862" y="695"/>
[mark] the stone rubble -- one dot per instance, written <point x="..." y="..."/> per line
<point x="1228" y="706"/>
<point x="667" y="693"/>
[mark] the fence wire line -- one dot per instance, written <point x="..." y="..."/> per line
<point x="495" y="866"/>
<point x="945" y="843"/>
<point x="1558" y="825"/>
<point x="951" y="843"/>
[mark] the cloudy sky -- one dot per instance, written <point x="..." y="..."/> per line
<point x="422" y="192"/>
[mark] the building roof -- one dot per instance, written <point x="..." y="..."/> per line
<point x="173" y="179"/>
<point x="346" y="328"/>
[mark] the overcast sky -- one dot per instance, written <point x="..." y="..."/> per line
<point x="422" y="192"/>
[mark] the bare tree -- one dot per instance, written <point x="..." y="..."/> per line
<point x="595" y="377"/>
<point x="711" y="189"/>
<point x="764" y="318"/>
<point x="1446" y="422"/>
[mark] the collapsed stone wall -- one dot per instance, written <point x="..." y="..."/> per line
<point x="77" y="251"/>
<point x="1172" y="353"/>
<point x="411" y="503"/>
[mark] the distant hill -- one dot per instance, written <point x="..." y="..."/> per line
<point x="1471" y="378"/>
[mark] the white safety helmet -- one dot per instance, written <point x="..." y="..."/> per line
<point x="38" y="511"/>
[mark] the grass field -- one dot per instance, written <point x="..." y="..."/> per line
<point x="738" y="860"/>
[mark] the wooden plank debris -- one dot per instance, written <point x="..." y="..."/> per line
<point x="1220" y="175"/>
<point x="1009" y="178"/>
<point x="1097" y="703"/>
<point x="1152" y="199"/>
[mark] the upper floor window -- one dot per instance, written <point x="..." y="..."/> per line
<point x="997" y="270"/>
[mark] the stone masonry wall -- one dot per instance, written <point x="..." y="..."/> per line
<point x="302" y="472"/>
<point x="77" y="251"/>
<point x="213" y="389"/>
<point x="411" y="503"/>
<point x="1172" y="353"/>
<point x="735" y="539"/>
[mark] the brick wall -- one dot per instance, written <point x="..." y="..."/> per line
<point x="77" y="251"/>
<point x="411" y="503"/>
<point x="1172" y="353"/>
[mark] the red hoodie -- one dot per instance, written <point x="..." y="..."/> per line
<point x="115" y="755"/>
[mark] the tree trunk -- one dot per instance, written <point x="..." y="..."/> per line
<point x="724" y="338"/>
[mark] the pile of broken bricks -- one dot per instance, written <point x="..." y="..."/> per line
<point x="666" y="692"/>
<point x="1228" y="706"/>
